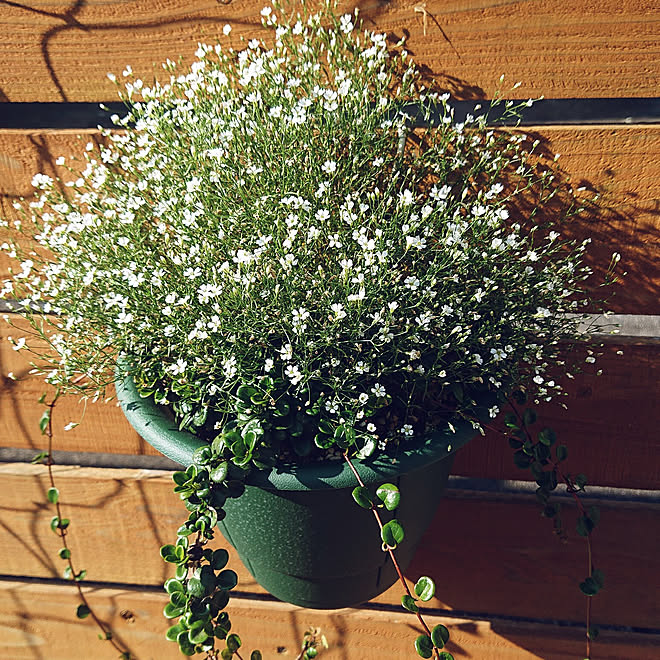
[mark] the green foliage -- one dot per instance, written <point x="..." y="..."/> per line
<point x="389" y="495"/>
<point x="53" y="495"/>
<point x="536" y="455"/>
<point x="363" y="498"/>
<point x="408" y="603"/>
<point x="44" y="421"/>
<point x="83" y="611"/>
<point x="40" y="457"/>
<point x="440" y="636"/>
<point x="425" y="588"/>
<point x="424" y="646"/>
<point x="392" y="533"/>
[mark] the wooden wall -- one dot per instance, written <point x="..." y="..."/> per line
<point x="507" y="585"/>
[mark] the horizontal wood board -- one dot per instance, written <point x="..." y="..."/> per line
<point x="38" y="623"/>
<point x="52" y="50"/>
<point x="621" y="163"/>
<point x="491" y="554"/>
<point x="610" y="424"/>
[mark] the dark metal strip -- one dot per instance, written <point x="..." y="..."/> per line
<point x="34" y="116"/>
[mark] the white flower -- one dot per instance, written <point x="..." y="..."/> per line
<point x="178" y="367"/>
<point x="416" y="242"/>
<point x="338" y="312"/>
<point x="293" y="374"/>
<point x="412" y="283"/>
<point x="498" y="354"/>
<point x="406" y="198"/>
<point x="19" y="343"/>
<point x="329" y="166"/>
<point x="226" y="29"/>
<point x="268" y="365"/>
<point x="406" y="430"/>
<point x="322" y="215"/>
<point x="286" y="352"/>
<point x="299" y="315"/>
<point x="378" y="390"/>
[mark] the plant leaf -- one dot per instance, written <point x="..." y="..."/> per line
<point x="363" y="497"/>
<point x="83" y="611"/>
<point x="392" y="533"/>
<point x="440" y="635"/>
<point x="425" y="588"/>
<point x="424" y="646"/>
<point x="389" y="495"/>
<point x="408" y="603"/>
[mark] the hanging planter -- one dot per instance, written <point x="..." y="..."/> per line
<point x="297" y="529"/>
<point x="302" y="270"/>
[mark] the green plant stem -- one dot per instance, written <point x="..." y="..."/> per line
<point x="62" y="532"/>
<point x="390" y="551"/>
<point x="570" y="487"/>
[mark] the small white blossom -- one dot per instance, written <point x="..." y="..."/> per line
<point x="378" y="390"/>
<point x="329" y="166"/>
<point x="293" y="374"/>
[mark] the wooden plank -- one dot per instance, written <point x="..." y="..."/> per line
<point x="610" y="425"/>
<point x="52" y="51"/>
<point x="622" y="163"/>
<point x="497" y="555"/>
<point x="38" y="621"/>
<point x="613" y="417"/>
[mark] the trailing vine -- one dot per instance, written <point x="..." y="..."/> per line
<point x="543" y="456"/>
<point x="60" y="526"/>
<point x="392" y="533"/>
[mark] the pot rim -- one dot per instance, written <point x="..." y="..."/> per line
<point x="154" y="425"/>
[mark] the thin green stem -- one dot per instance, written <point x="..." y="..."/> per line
<point x="390" y="551"/>
<point x="62" y="533"/>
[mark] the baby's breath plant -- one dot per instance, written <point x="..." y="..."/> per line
<point x="268" y="234"/>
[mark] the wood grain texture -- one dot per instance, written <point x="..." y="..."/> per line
<point x="496" y="556"/>
<point x="621" y="163"/>
<point x="610" y="424"/>
<point x="38" y="623"/>
<point x="53" y="50"/>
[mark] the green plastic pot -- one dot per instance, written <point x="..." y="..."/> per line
<point x="298" y="531"/>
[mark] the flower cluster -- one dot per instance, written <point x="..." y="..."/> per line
<point x="270" y="235"/>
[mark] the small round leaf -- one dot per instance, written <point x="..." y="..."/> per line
<point x="220" y="559"/>
<point x="234" y="642"/>
<point x="83" y="611"/>
<point x="389" y="496"/>
<point x="425" y="588"/>
<point x="439" y="635"/>
<point x="227" y="579"/>
<point x="408" y="603"/>
<point x="392" y="533"/>
<point x="362" y="496"/>
<point x="424" y="646"/>
<point x="174" y="631"/>
<point x="171" y="611"/>
<point x="53" y="495"/>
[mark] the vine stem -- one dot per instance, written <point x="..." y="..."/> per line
<point x="62" y="533"/>
<point x="570" y="487"/>
<point x="390" y="551"/>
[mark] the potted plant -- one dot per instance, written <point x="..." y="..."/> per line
<point x="302" y="293"/>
